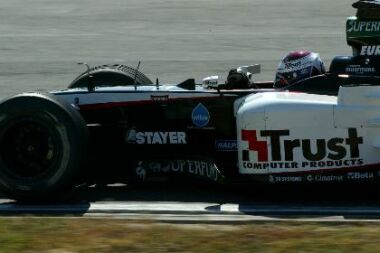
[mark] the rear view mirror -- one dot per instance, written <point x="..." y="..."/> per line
<point x="210" y="82"/>
<point x="252" y="69"/>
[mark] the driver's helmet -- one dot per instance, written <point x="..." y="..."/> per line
<point x="296" y="66"/>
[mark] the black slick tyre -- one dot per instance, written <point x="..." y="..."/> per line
<point x="43" y="142"/>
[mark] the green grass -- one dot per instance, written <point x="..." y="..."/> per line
<point x="64" y="235"/>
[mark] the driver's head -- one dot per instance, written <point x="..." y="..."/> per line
<point x="296" y="66"/>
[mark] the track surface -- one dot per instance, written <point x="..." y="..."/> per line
<point x="41" y="42"/>
<point x="204" y="204"/>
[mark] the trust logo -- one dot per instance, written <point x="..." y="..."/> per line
<point x="254" y="145"/>
<point x="283" y="148"/>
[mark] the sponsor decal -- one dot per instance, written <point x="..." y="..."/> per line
<point x="155" y="137"/>
<point x="360" y="176"/>
<point x="211" y="81"/>
<point x="206" y="169"/>
<point x="283" y="179"/>
<point x="159" y="98"/>
<point x="130" y="137"/>
<point x="292" y="65"/>
<point x="295" y="65"/>
<point x="311" y="153"/>
<point x="200" y="116"/>
<point x="363" y="26"/>
<point x="140" y="171"/>
<point x="370" y="50"/>
<point x="226" y="145"/>
<point x="358" y="69"/>
<point x="324" y="178"/>
<point x="311" y="178"/>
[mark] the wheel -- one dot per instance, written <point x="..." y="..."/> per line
<point x="110" y="75"/>
<point x="43" y="143"/>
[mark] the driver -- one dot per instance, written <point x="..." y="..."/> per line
<point x="296" y="66"/>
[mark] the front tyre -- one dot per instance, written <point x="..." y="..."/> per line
<point x="43" y="142"/>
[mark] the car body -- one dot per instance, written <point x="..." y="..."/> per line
<point x="112" y="124"/>
<point x="136" y="133"/>
<point x="267" y="135"/>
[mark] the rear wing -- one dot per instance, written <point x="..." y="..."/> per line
<point x="363" y="30"/>
<point x="367" y="9"/>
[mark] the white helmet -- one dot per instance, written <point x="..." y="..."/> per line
<point x="296" y="66"/>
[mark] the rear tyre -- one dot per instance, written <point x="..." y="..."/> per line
<point x="43" y="142"/>
<point x="110" y="75"/>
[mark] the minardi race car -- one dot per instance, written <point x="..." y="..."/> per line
<point x="112" y="124"/>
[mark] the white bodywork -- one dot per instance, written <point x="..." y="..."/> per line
<point x="282" y="132"/>
<point x="130" y="94"/>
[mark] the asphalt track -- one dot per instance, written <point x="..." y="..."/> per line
<point x="201" y="203"/>
<point x="42" y="41"/>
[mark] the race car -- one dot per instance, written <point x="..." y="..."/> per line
<point x="112" y="124"/>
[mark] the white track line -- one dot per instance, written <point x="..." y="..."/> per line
<point x="189" y="208"/>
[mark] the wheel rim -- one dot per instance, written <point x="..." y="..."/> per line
<point x="29" y="149"/>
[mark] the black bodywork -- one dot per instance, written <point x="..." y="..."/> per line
<point x="109" y="129"/>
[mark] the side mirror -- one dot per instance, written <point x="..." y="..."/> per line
<point x="210" y="82"/>
<point x="252" y="69"/>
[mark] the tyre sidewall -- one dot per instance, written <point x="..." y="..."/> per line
<point x="68" y="134"/>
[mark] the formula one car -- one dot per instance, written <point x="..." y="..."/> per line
<point x="112" y="124"/>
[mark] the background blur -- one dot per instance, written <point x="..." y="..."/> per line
<point x="42" y="40"/>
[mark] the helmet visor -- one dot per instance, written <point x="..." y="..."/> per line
<point x="287" y="78"/>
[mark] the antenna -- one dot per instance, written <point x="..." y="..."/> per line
<point x="90" y="85"/>
<point x="135" y="79"/>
